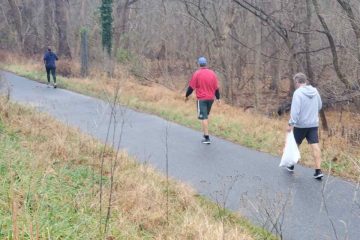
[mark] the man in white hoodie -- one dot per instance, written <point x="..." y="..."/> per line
<point x="304" y="118"/>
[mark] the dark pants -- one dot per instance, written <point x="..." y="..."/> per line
<point x="311" y="135"/>
<point x="204" y="108"/>
<point x="53" y="73"/>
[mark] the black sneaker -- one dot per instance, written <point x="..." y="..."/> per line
<point x="206" y="141"/>
<point x="318" y="174"/>
<point x="290" y="168"/>
<point x="55" y="85"/>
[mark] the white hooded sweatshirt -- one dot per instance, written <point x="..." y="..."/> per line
<point x="305" y="107"/>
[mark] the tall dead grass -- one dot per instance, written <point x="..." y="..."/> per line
<point x="139" y="191"/>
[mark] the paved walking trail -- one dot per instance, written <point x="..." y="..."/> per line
<point x="309" y="209"/>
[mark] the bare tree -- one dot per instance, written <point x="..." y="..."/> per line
<point x="278" y="28"/>
<point x="62" y="24"/>
<point x="309" y="68"/>
<point x="356" y="28"/>
<point x="258" y="42"/>
<point x="16" y="15"/>
<point x="48" y="20"/>
<point x="31" y="35"/>
<point x="84" y="53"/>
<point x="121" y="25"/>
<point x="331" y="40"/>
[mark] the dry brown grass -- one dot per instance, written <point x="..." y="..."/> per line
<point x="139" y="194"/>
<point x="247" y="128"/>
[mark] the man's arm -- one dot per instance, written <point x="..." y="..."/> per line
<point x="56" y="57"/>
<point x="319" y="101"/>
<point x="216" y="83"/>
<point x="217" y="94"/>
<point x="295" y="110"/>
<point x="189" y="92"/>
<point x="192" y="86"/>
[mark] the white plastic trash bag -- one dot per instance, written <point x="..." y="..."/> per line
<point x="291" y="154"/>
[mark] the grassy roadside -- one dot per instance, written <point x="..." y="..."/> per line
<point x="249" y="129"/>
<point x="49" y="189"/>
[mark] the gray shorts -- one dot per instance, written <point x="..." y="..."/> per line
<point x="203" y="108"/>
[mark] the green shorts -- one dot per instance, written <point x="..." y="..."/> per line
<point x="203" y="108"/>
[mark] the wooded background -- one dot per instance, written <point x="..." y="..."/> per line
<point x="255" y="45"/>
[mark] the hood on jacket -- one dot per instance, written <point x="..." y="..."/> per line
<point x="308" y="91"/>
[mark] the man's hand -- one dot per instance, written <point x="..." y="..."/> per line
<point x="289" y="128"/>
<point x="186" y="99"/>
<point x="218" y="101"/>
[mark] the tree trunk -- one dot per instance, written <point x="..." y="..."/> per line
<point x="84" y="53"/>
<point x="15" y="12"/>
<point x="291" y="66"/>
<point x="275" y="72"/>
<point x="330" y="38"/>
<point x="48" y="23"/>
<point x="221" y="34"/>
<point x="32" y="39"/>
<point x="257" y="74"/>
<point x="62" y="22"/>
<point x="354" y="24"/>
<point x="309" y="70"/>
<point x="227" y="83"/>
<point x="121" y="24"/>
<point x="119" y="27"/>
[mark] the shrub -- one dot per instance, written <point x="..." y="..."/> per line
<point x="123" y="55"/>
<point x="64" y="68"/>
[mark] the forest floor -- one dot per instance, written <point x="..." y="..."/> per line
<point x="340" y="146"/>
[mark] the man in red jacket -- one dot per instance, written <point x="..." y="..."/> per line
<point x="205" y="83"/>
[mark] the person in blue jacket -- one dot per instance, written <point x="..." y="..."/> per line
<point x="49" y="60"/>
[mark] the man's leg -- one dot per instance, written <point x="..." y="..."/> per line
<point x="48" y="74"/>
<point x="203" y="116"/>
<point x="317" y="155"/>
<point x="207" y="110"/>
<point x="313" y="139"/>
<point x="53" y="73"/>
<point x="205" y="126"/>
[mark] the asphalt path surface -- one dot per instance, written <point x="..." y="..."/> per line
<point x="245" y="180"/>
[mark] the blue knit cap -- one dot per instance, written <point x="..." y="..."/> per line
<point x="202" y="61"/>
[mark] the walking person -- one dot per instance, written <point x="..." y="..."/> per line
<point x="49" y="61"/>
<point x="304" y="119"/>
<point x="205" y="83"/>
